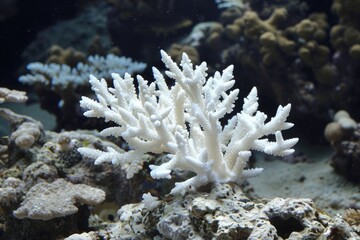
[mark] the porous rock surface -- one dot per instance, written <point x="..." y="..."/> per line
<point x="226" y="213"/>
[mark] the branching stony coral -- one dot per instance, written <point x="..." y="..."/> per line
<point x="183" y="120"/>
<point x="62" y="75"/>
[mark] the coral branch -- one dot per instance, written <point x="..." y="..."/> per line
<point x="184" y="121"/>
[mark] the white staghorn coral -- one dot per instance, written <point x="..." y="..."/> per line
<point x="62" y="75"/>
<point x="229" y="3"/>
<point x="184" y="121"/>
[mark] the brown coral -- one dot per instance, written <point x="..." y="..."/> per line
<point x="314" y="54"/>
<point x="312" y="28"/>
<point x="68" y="56"/>
<point x="176" y="51"/>
<point x="274" y="45"/>
<point x="345" y="36"/>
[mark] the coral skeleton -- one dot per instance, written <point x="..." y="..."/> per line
<point x="229" y="3"/>
<point x="62" y="75"/>
<point x="9" y="95"/>
<point x="183" y="121"/>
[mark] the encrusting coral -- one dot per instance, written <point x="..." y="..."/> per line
<point x="61" y="197"/>
<point x="184" y="121"/>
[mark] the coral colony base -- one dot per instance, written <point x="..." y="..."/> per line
<point x="183" y="120"/>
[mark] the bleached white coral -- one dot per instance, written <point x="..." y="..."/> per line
<point x="229" y="3"/>
<point x="62" y="75"/>
<point x="150" y="202"/>
<point x="184" y="121"/>
<point x="9" y="95"/>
